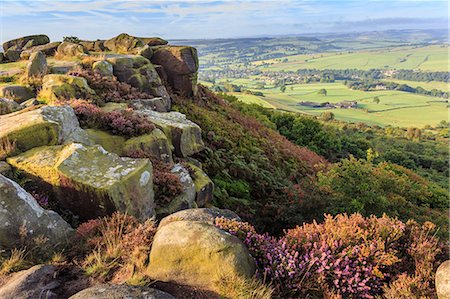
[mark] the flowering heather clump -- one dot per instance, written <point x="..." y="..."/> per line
<point x="122" y="122"/>
<point x="109" y="89"/>
<point x="346" y="256"/>
<point x="41" y="198"/>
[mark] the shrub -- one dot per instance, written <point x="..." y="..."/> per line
<point x="110" y="89"/>
<point x="345" y="257"/>
<point x="118" y="247"/>
<point x="121" y="122"/>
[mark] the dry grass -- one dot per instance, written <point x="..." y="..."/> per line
<point x="15" y="262"/>
<point x="233" y="286"/>
<point x="7" y="148"/>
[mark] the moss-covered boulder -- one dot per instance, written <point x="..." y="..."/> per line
<point x="111" y="143"/>
<point x="181" y="65"/>
<point x="186" y="199"/>
<point x="139" y="72"/>
<point x="49" y="125"/>
<point x="121" y="292"/>
<point x="8" y="106"/>
<point x="110" y="106"/>
<point x="48" y="49"/>
<point x="123" y="43"/>
<point x="94" y="46"/>
<point x="154" y="144"/>
<point x="103" y="67"/>
<point x="153" y="41"/>
<point x="205" y="215"/>
<point x="37" y="65"/>
<point x="12" y="55"/>
<point x="19" y="211"/>
<point x="197" y="254"/>
<point x="184" y="134"/>
<point x="204" y="186"/>
<point x="64" y="87"/>
<point x="18" y="93"/>
<point x="26" y="42"/>
<point x="156" y="104"/>
<point x="89" y="181"/>
<point x="146" y="51"/>
<point x="70" y="50"/>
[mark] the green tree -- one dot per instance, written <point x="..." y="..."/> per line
<point x="283" y="88"/>
<point x="376" y="100"/>
<point x="322" y="91"/>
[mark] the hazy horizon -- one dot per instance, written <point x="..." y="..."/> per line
<point x="214" y="19"/>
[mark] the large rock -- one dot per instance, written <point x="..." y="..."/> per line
<point x="146" y="51"/>
<point x="2" y="57"/>
<point x="184" y="134"/>
<point x="103" y="67"/>
<point x="94" y="46"/>
<point x="12" y="55"/>
<point x="153" y="41"/>
<point x="8" y="106"/>
<point x="123" y="43"/>
<point x="139" y="72"/>
<point x="154" y="144"/>
<point x="185" y="200"/>
<point x="48" y="125"/>
<point x="121" y="292"/>
<point x="156" y="104"/>
<point x="69" y="50"/>
<point x="111" y="143"/>
<point x="37" y="65"/>
<point x="89" y="181"/>
<point x="181" y="65"/>
<point x="196" y="254"/>
<point x="26" y="42"/>
<point x="64" y="87"/>
<point x="47" y="49"/>
<point x="204" y="186"/>
<point x="18" y="93"/>
<point x="19" y="211"/>
<point x="205" y="215"/>
<point x="443" y="280"/>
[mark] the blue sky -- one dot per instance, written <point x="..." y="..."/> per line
<point x="214" y="19"/>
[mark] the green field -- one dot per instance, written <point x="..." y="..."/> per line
<point x="396" y="108"/>
<point x="444" y="86"/>
<point x="429" y="58"/>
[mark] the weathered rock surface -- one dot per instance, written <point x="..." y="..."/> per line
<point x="196" y="254"/>
<point x="139" y="72"/>
<point x="94" y="46"/>
<point x="186" y="199"/>
<point x="91" y="182"/>
<point x="49" y="125"/>
<point x="123" y="43"/>
<point x="181" y="65"/>
<point x="156" y="104"/>
<point x="121" y="292"/>
<point x="103" y="67"/>
<point x="37" y="65"/>
<point x="36" y="282"/>
<point x="184" y="134"/>
<point x="5" y="169"/>
<point x="18" y="93"/>
<point x="67" y="50"/>
<point x="205" y="215"/>
<point x="19" y="210"/>
<point x="48" y="49"/>
<point x="443" y="280"/>
<point x="204" y="186"/>
<point x="155" y="144"/>
<point x="29" y="103"/>
<point x="8" y="106"/>
<point x="26" y="42"/>
<point x="2" y="57"/>
<point x="146" y="51"/>
<point x="12" y="55"/>
<point x="63" y="87"/>
<point x="153" y="41"/>
<point x="111" y="143"/>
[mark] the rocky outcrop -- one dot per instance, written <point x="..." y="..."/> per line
<point x="37" y="65"/>
<point x="47" y="49"/>
<point x="94" y="46"/>
<point x="146" y="51"/>
<point x="180" y="63"/>
<point x="26" y="42"/>
<point x="443" y="280"/>
<point x="204" y="215"/>
<point x="156" y="104"/>
<point x="18" y="93"/>
<point x="123" y="43"/>
<point x="204" y="187"/>
<point x="121" y="292"/>
<point x="139" y="72"/>
<point x="12" y="55"/>
<point x="153" y="41"/>
<point x="2" y="57"/>
<point x="8" y="106"/>
<point x="186" y="199"/>
<point x="103" y="67"/>
<point x="64" y="87"/>
<point x="154" y="144"/>
<point x="196" y="254"/>
<point x="20" y="212"/>
<point x="111" y="143"/>
<point x="68" y="50"/>
<point x="89" y="181"/>
<point x="183" y="133"/>
<point x="49" y="125"/>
